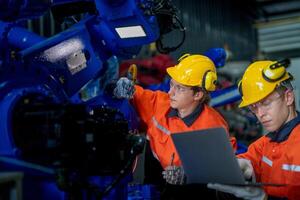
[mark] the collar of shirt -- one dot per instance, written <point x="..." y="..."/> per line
<point x="283" y="133"/>
<point x="188" y="120"/>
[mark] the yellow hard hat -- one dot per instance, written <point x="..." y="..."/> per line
<point x="260" y="79"/>
<point x="194" y="70"/>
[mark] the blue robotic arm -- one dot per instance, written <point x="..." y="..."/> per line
<point x="39" y="78"/>
<point x="76" y="55"/>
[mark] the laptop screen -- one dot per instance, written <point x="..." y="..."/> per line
<point x="208" y="157"/>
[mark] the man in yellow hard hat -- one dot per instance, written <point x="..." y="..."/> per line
<point x="274" y="158"/>
<point x="183" y="108"/>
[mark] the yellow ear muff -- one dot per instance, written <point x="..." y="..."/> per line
<point x="275" y="71"/>
<point x="209" y="81"/>
<point x="273" y="75"/>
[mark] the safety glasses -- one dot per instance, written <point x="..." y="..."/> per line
<point x="178" y="88"/>
<point x="266" y="104"/>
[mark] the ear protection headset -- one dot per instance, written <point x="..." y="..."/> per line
<point x="276" y="71"/>
<point x="272" y="73"/>
<point x="209" y="80"/>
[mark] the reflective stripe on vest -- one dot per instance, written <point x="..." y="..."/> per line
<point x="267" y="161"/>
<point x="160" y="127"/>
<point x="287" y="167"/>
<point x="294" y="168"/>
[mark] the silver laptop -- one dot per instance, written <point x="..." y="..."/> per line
<point x="208" y="157"/>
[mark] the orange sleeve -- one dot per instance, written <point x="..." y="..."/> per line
<point x="254" y="154"/>
<point x="145" y="102"/>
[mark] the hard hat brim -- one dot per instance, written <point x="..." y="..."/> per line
<point x="271" y="89"/>
<point x="172" y="72"/>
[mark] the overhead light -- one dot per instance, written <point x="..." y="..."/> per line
<point x="130" y="32"/>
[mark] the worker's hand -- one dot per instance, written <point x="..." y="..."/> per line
<point x="247" y="168"/>
<point x="174" y="175"/>
<point x="245" y="192"/>
<point x="124" y="88"/>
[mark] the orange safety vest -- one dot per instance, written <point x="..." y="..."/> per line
<point x="277" y="162"/>
<point x="153" y="108"/>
